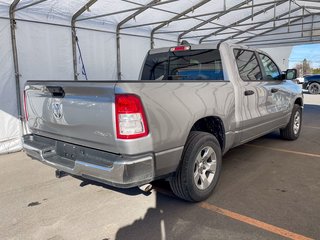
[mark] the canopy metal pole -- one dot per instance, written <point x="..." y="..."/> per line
<point x="252" y="10"/>
<point x="313" y="7"/>
<point x="242" y="20"/>
<point x="275" y="40"/>
<point x="266" y="35"/>
<point x="191" y="9"/>
<point x="280" y="26"/>
<point x="238" y="25"/>
<point x="316" y="1"/>
<point x="12" y="9"/>
<point x="198" y="16"/>
<point x="290" y="2"/>
<point x="274" y="16"/>
<point x="302" y="26"/>
<point x="15" y="58"/>
<point x="263" y="23"/>
<point x="86" y="28"/>
<point x="74" y="35"/>
<point x="128" y="10"/>
<point x="277" y="20"/>
<point x="109" y="14"/>
<point x="29" y="5"/>
<point x="212" y="19"/>
<point x="286" y="43"/>
<point x="311" y="36"/>
<point x="132" y="16"/>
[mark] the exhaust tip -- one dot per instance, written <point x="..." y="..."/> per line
<point x="60" y="174"/>
<point x="146" y="188"/>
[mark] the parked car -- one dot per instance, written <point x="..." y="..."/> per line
<point x="312" y="84"/>
<point x="191" y="105"/>
<point x="300" y="80"/>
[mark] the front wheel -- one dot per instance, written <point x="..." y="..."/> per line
<point x="200" y="168"/>
<point x="314" y="88"/>
<point x="293" y="129"/>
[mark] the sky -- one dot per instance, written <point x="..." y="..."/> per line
<point x="311" y="52"/>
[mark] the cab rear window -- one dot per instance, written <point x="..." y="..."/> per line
<point x="184" y="65"/>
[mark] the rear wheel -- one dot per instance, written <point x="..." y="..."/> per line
<point x="314" y="88"/>
<point x="200" y="168"/>
<point x="292" y="130"/>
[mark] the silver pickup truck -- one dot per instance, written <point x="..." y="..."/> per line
<point x="191" y="104"/>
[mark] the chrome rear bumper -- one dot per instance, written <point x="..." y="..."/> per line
<point x="112" y="169"/>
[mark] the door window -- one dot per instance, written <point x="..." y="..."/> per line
<point x="248" y="65"/>
<point x="270" y="68"/>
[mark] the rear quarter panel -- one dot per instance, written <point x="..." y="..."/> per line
<point x="173" y="107"/>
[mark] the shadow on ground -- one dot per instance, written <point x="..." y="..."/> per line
<point x="159" y="222"/>
<point x="244" y="187"/>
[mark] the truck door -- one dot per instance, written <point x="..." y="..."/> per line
<point x="257" y="104"/>
<point x="278" y="90"/>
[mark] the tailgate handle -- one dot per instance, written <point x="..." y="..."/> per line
<point x="56" y="91"/>
<point x="248" y="92"/>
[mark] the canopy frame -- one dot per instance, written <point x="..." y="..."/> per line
<point x="191" y="9"/>
<point x="213" y="18"/>
<point x="74" y="35"/>
<point x="76" y="17"/>
<point x="242" y="20"/>
<point x="13" y="8"/>
<point x="124" y="21"/>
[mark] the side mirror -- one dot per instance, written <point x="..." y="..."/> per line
<point x="291" y="74"/>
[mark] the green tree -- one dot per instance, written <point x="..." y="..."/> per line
<point x="316" y="71"/>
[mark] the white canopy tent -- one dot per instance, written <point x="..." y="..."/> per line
<point x="43" y="39"/>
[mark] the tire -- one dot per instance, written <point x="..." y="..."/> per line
<point x="200" y="168"/>
<point x="293" y="129"/>
<point x="314" y="88"/>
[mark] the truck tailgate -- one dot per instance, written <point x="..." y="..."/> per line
<point x="76" y="112"/>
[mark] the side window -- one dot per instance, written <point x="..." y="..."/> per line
<point x="248" y="65"/>
<point x="270" y="68"/>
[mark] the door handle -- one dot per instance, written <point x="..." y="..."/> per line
<point x="274" y="90"/>
<point x="248" y="92"/>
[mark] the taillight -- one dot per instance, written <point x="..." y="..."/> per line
<point x="25" y="105"/>
<point x="131" y="121"/>
<point x="180" y="48"/>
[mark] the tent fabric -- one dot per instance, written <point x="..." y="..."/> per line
<point x="10" y="128"/>
<point x="44" y="40"/>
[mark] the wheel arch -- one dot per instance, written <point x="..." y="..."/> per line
<point x="213" y="125"/>
<point x="314" y="82"/>
<point x="299" y="101"/>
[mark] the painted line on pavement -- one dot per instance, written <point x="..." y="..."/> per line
<point x="253" y="222"/>
<point x="311" y="127"/>
<point x="242" y="218"/>
<point x="284" y="150"/>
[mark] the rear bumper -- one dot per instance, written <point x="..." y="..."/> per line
<point x="112" y="169"/>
